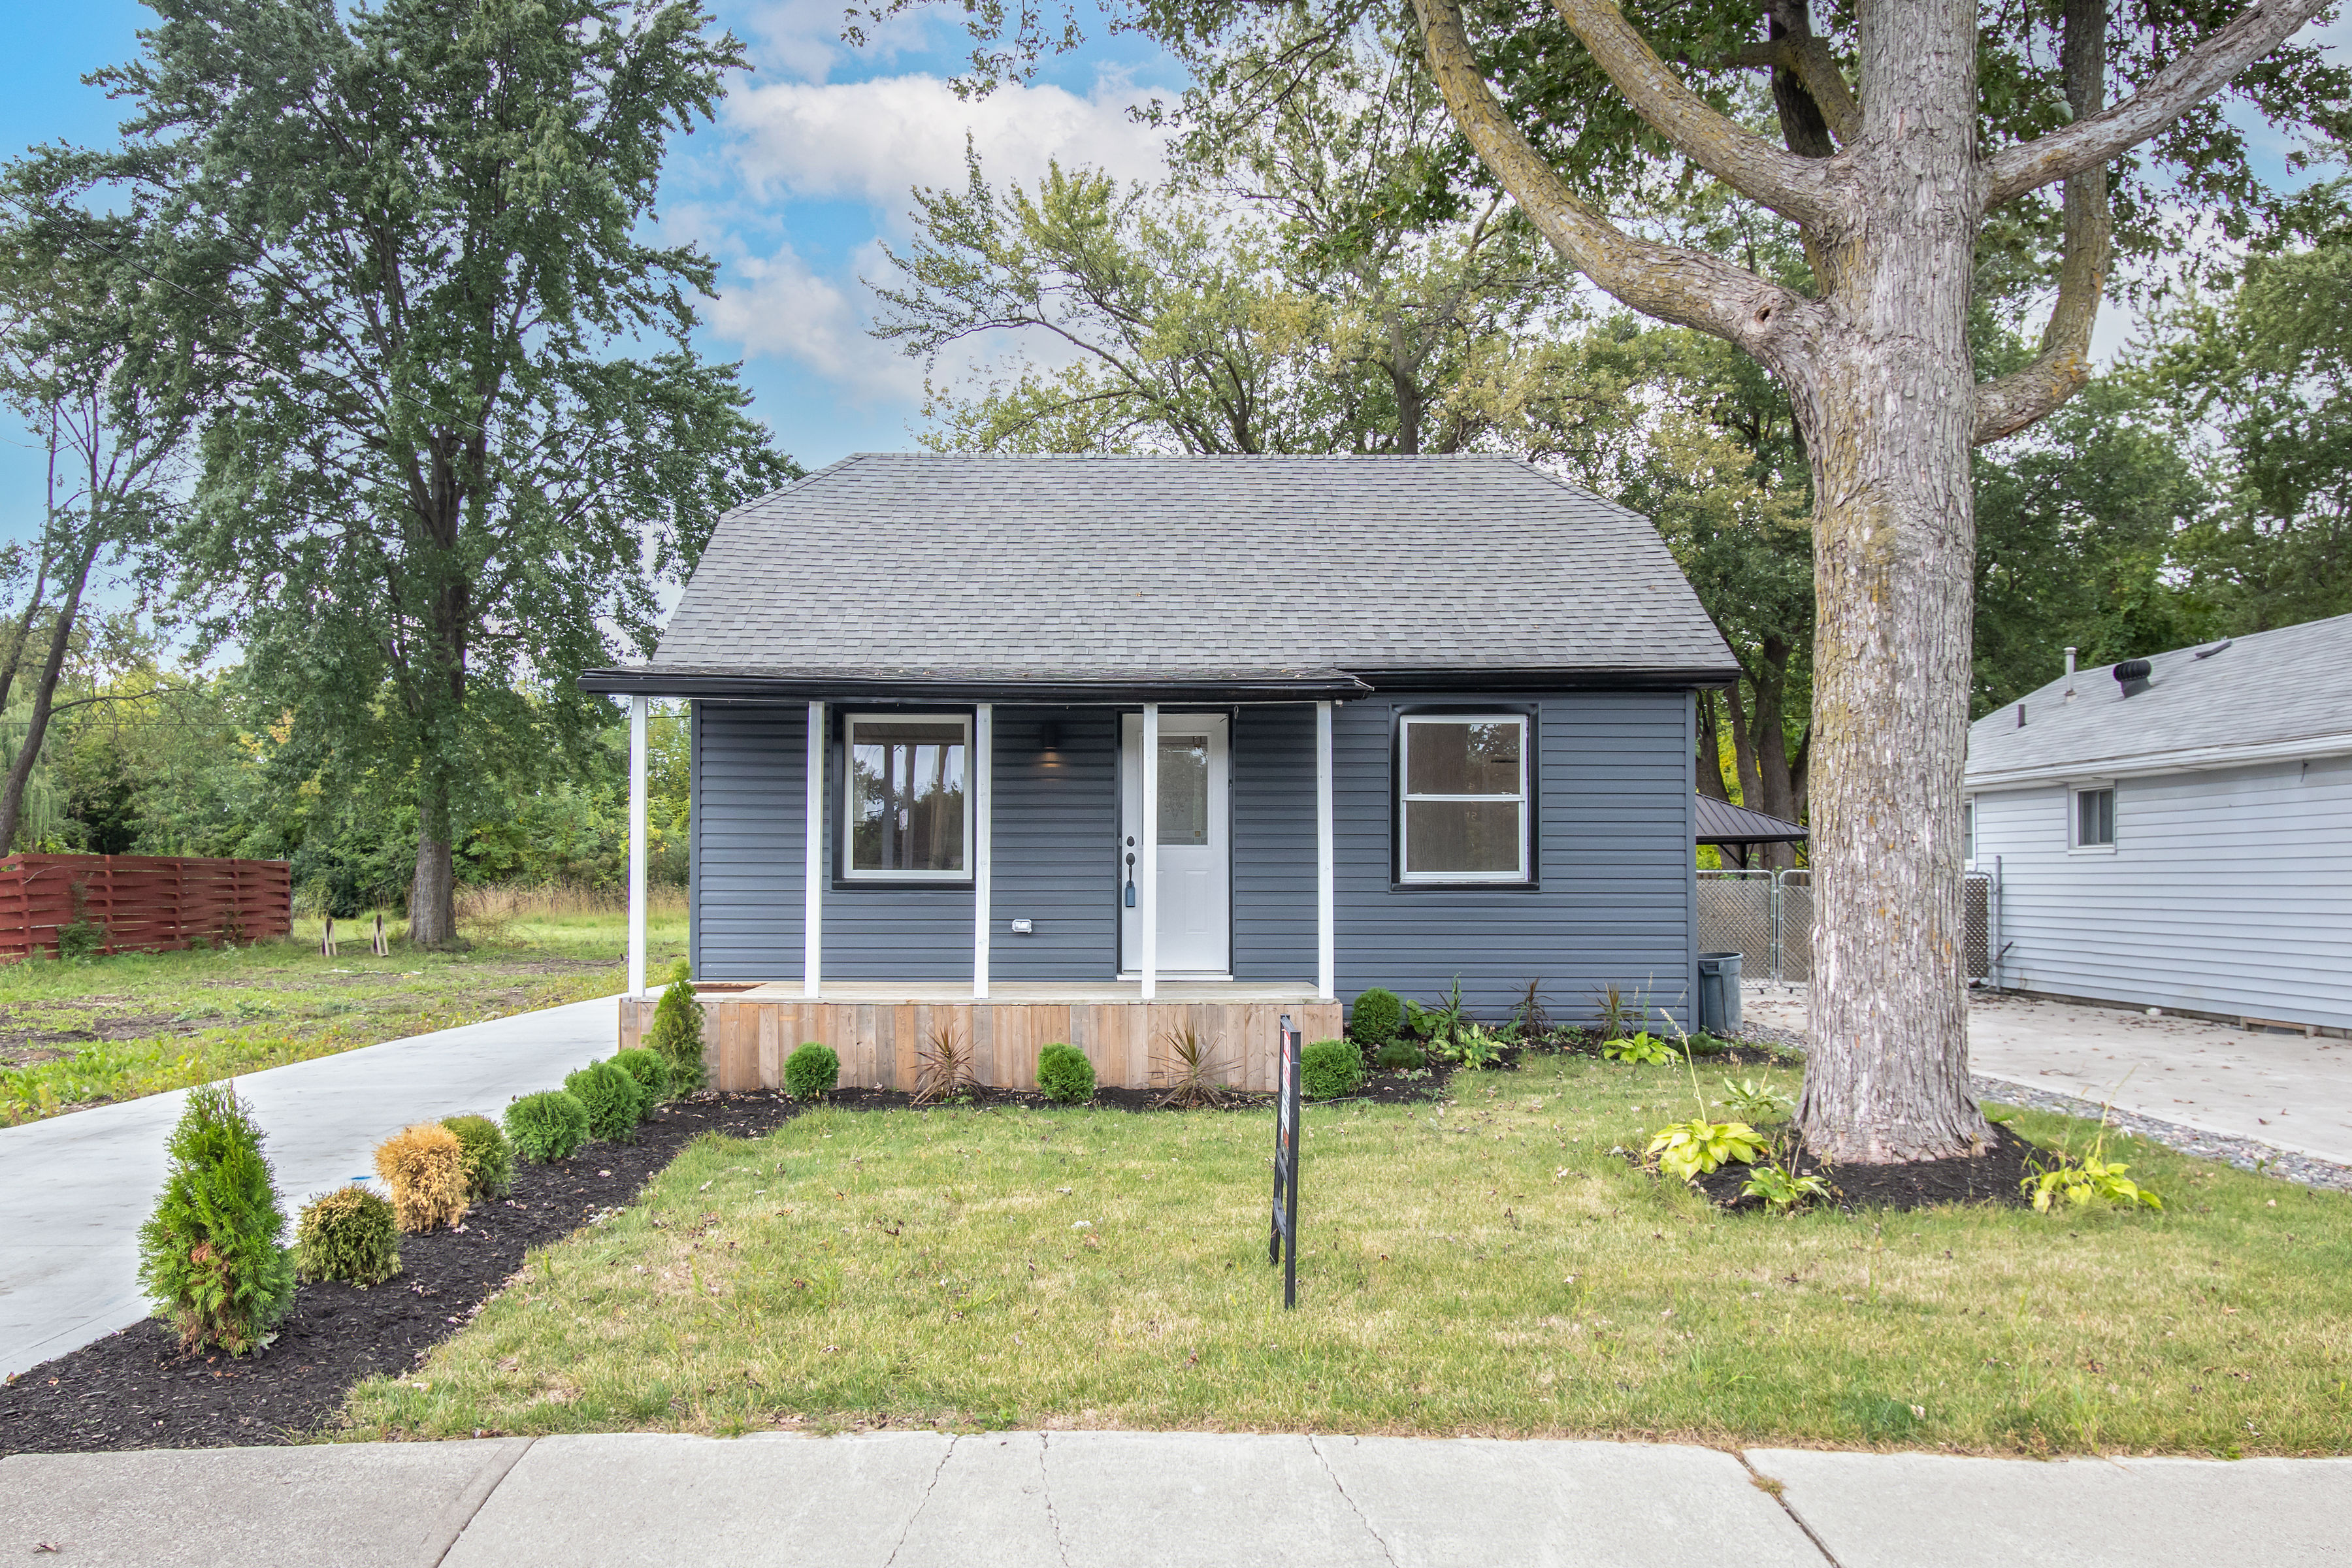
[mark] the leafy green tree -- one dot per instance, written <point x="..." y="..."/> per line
<point x="464" y="429"/>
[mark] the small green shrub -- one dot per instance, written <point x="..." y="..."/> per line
<point x="1376" y="1017"/>
<point x="349" y="1233"/>
<point x="650" y="1069"/>
<point x="1065" y="1075"/>
<point x="487" y="1156"/>
<point x="611" y="1099"/>
<point x="547" y="1126"/>
<point x="210" y="1256"/>
<point x="83" y="938"/>
<point x="1396" y="1054"/>
<point x="1329" y="1068"/>
<point x="676" y="1032"/>
<point x="811" y="1072"/>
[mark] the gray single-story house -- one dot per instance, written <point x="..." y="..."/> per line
<point x="1099" y="748"/>
<point x="2176" y="832"/>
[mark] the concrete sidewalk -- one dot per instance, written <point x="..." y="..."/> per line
<point x="75" y="1189"/>
<point x="1141" y="1500"/>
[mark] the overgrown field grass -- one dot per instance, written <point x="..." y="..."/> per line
<point x="83" y="1032"/>
<point x="1487" y="1266"/>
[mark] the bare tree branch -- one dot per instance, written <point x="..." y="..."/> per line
<point x="1804" y="190"/>
<point x="2187" y="81"/>
<point x="2007" y="404"/>
<point x="1810" y="61"/>
<point x="1687" y="287"/>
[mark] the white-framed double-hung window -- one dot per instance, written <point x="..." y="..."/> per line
<point x="1463" y="797"/>
<point x="2094" y="817"/>
<point x="906" y="802"/>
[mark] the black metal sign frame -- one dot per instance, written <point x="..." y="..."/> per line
<point x="1282" y="1242"/>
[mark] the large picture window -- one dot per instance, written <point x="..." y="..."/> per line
<point x="909" y="814"/>
<point x="1462" y="800"/>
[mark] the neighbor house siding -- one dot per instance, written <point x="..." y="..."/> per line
<point x="2226" y="892"/>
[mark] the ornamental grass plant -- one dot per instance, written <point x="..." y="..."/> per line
<point x="211" y="1256"/>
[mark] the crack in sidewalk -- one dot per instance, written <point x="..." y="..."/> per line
<point x="908" y="1528"/>
<point x="1053" y="1520"/>
<point x="1778" y="1492"/>
<point x="1316" y="1448"/>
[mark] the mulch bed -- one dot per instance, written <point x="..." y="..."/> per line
<point x="1994" y="1177"/>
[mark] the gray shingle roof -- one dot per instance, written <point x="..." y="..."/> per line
<point x="1038" y="568"/>
<point x="2275" y="691"/>
<point x="1720" y="822"/>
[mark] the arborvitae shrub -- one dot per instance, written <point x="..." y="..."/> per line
<point x="1065" y="1075"/>
<point x="424" y="1168"/>
<point x="1400" y="1053"/>
<point x="651" y="1070"/>
<point x="611" y="1099"/>
<point x="677" y="1032"/>
<point x="547" y="1126"/>
<point x="488" y="1158"/>
<point x="811" y="1071"/>
<point x="348" y="1234"/>
<point x="1375" y="1018"/>
<point x="210" y="1256"/>
<point x="1329" y="1068"/>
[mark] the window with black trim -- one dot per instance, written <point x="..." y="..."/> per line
<point x="909" y="814"/>
<point x="1462" y="808"/>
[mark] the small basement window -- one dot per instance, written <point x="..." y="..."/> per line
<point x="908" y="813"/>
<point x="2095" y="818"/>
<point x="1968" y="831"/>
<point x="1462" y="800"/>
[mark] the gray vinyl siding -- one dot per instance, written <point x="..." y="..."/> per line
<point x="2229" y="891"/>
<point x="1615" y="904"/>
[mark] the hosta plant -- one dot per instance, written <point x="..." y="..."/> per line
<point x="1692" y="1148"/>
<point x="2079" y="1184"/>
<point x="1782" y="1189"/>
<point x="1644" y="1049"/>
<point x="1757" y="1099"/>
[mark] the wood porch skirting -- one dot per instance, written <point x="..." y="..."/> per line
<point x="747" y="1037"/>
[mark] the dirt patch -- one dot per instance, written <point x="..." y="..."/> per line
<point x="22" y="1025"/>
<point x="1994" y="1177"/>
<point x="134" y="1389"/>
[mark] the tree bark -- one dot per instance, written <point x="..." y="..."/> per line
<point x="432" y="896"/>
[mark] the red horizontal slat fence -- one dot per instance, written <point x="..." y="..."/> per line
<point x="146" y="902"/>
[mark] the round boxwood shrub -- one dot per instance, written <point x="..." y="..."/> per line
<point x="1329" y="1068"/>
<point x="210" y="1256"/>
<point x="677" y="1032"/>
<point x="611" y="1099"/>
<point x="547" y="1126"/>
<point x="650" y="1069"/>
<point x="1065" y="1075"/>
<point x="349" y="1233"/>
<point x="487" y="1157"/>
<point x="1375" y="1018"/>
<point x="1395" y="1054"/>
<point x="811" y="1072"/>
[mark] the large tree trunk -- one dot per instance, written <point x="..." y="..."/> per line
<point x="432" y="896"/>
<point x="45" y="691"/>
<point x="1890" y="418"/>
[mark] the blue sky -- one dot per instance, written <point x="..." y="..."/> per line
<point x="794" y="190"/>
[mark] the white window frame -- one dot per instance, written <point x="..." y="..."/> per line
<point x="850" y="870"/>
<point x="1967" y="830"/>
<point x="1404" y="797"/>
<point x="2075" y="794"/>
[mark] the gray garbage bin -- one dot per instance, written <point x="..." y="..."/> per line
<point x="1718" y="993"/>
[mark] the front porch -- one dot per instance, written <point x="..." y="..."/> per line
<point x="880" y="1028"/>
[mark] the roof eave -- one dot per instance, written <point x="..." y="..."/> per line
<point x="2184" y="759"/>
<point x="648" y="680"/>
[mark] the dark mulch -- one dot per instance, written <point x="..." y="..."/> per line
<point x="134" y="1389"/>
<point x="1993" y="1177"/>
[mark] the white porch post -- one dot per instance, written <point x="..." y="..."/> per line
<point x="1148" y="886"/>
<point x="1326" y="979"/>
<point x="813" y="888"/>
<point x="637" y="709"/>
<point x="984" y="772"/>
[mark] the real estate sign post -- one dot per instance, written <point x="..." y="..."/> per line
<point x="1282" y="1242"/>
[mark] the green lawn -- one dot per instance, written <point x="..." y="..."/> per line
<point x="81" y="1033"/>
<point x="1489" y="1266"/>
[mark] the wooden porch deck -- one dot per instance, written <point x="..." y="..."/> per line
<point x="880" y="1028"/>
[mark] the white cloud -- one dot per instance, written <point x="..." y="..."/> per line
<point x="777" y="304"/>
<point x="873" y="140"/>
<point x="804" y="39"/>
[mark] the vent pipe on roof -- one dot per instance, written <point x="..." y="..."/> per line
<point x="2020" y="715"/>
<point x="2070" y="675"/>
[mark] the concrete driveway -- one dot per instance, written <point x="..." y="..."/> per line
<point x="2286" y="1090"/>
<point x="75" y="1189"/>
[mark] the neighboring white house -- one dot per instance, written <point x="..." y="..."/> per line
<point x="2177" y="832"/>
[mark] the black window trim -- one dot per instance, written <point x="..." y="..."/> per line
<point x="836" y="797"/>
<point x="1531" y="825"/>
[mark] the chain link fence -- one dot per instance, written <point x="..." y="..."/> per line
<point x="1766" y="918"/>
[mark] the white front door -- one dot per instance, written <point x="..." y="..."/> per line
<point x="1195" y="862"/>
